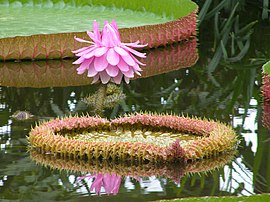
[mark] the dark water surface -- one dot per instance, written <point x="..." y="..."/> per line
<point x="230" y="94"/>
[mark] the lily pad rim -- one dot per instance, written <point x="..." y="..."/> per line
<point x="266" y="68"/>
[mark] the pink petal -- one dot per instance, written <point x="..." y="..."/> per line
<point x="137" y="61"/>
<point x="137" y="53"/>
<point x="80" y="50"/>
<point x="94" y="38"/>
<point x="91" y="35"/>
<point x="123" y="66"/>
<point x="138" y="73"/>
<point x="117" y="184"/>
<point x="84" y="66"/>
<point x="97" y="183"/>
<point x="88" y="177"/>
<point x="87" y="51"/>
<point x="135" y="44"/>
<point x="111" y="183"/>
<point x="100" y="63"/>
<point x="91" y="70"/>
<point x="110" y="36"/>
<point x="96" y="30"/>
<point x="82" y="40"/>
<point x="95" y="35"/>
<point x="126" y="79"/>
<point x="100" y="51"/>
<point x="81" y="69"/>
<point x="96" y="78"/>
<point x="79" y="61"/>
<point x="120" y="50"/>
<point x="104" y="77"/>
<point x="136" y="67"/>
<point x="128" y="59"/>
<point x="106" y="22"/>
<point x="90" y="54"/>
<point x="108" y="183"/>
<point x="112" y="70"/>
<point x="106" y="39"/>
<point x="112" y="57"/>
<point x="114" y="24"/>
<point x="118" y="78"/>
<point x="129" y="73"/>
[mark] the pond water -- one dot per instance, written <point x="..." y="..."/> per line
<point x="176" y="81"/>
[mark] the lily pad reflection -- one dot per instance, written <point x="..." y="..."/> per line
<point x="106" y="177"/>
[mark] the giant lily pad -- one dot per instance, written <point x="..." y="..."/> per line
<point x="56" y="73"/>
<point x="55" y="23"/>
<point x="139" y="137"/>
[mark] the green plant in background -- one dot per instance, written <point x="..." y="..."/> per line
<point x="227" y="32"/>
<point x="266" y="10"/>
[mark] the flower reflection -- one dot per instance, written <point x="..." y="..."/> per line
<point x="110" y="182"/>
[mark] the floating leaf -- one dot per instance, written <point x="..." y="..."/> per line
<point x="138" y="137"/>
<point x="55" y="23"/>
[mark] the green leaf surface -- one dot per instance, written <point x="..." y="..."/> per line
<point x="23" y="18"/>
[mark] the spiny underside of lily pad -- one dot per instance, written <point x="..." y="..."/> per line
<point x="137" y="137"/>
<point x="55" y="46"/>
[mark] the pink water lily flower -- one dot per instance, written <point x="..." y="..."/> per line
<point x="107" y="58"/>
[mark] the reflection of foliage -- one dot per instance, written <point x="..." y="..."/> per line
<point x="45" y="102"/>
<point x="20" y="178"/>
<point x="25" y="181"/>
